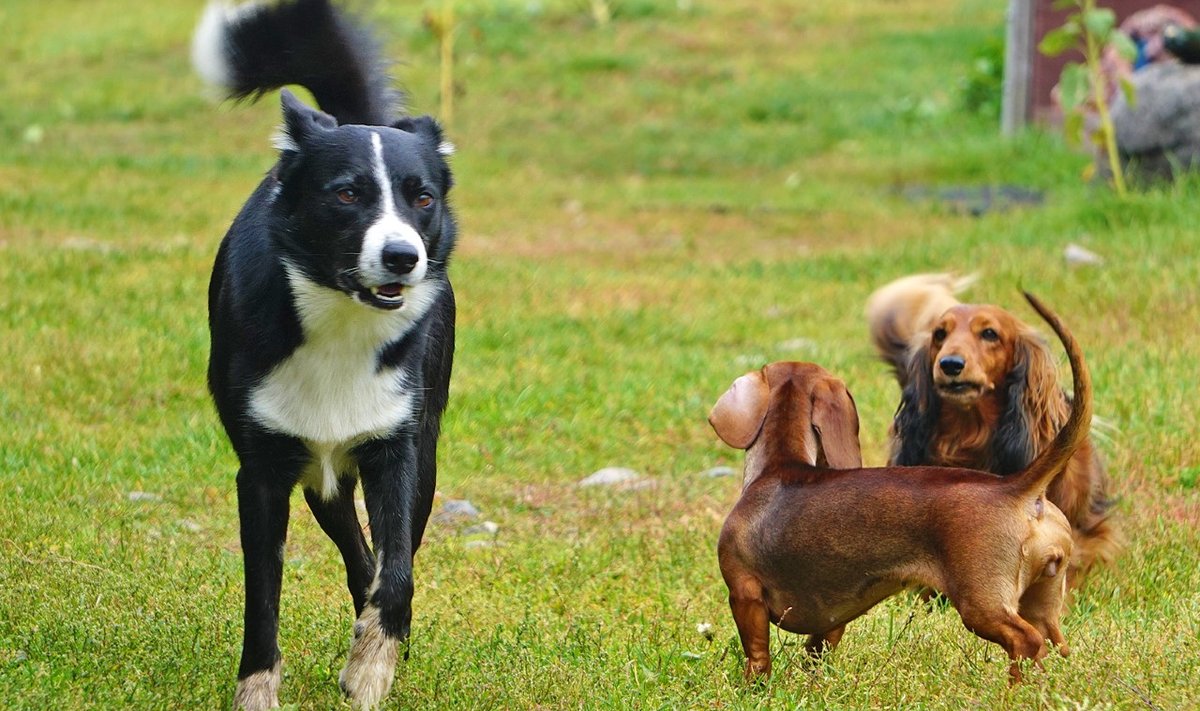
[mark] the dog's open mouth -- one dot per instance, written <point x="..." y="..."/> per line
<point x="385" y="296"/>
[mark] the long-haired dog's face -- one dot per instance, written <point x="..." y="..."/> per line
<point x="971" y="351"/>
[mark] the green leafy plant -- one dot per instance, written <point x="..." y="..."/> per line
<point x="1090" y="29"/>
<point x="981" y="88"/>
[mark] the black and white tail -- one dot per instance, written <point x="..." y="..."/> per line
<point x="253" y="48"/>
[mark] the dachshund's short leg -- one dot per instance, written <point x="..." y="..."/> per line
<point x="1018" y="638"/>
<point x="1042" y="605"/>
<point x="818" y="644"/>
<point x="752" y="618"/>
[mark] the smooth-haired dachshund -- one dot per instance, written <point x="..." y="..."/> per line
<point x="815" y="540"/>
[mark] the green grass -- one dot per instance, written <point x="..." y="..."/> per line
<point x="648" y="209"/>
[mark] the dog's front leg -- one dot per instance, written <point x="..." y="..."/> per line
<point x="389" y="476"/>
<point x="263" y="511"/>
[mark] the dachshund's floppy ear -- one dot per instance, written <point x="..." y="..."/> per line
<point x="835" y="421"/>
<point x="1034" y="406"/>
<point x="738" y="416"/>
<point x="916" y="416"/>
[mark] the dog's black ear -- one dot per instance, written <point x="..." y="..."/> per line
<point x="428" y="128"/>
<point x="300" y="122"/>
<point x="916" y="416"/>
<point x="1034" y="406"/>
<point x="1012" y="445"/>
<point x="425" y="126"/>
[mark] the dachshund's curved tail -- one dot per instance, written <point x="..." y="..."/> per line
<point x="1038" y="475"/>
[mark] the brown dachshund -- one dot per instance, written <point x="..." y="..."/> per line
<point x="815" y="540"/>
<point x="980" y="390"/>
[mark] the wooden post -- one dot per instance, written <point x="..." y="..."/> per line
<point x="1018" y="67"/>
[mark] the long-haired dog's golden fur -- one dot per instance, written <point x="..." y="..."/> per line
<point x="980" y="389"/>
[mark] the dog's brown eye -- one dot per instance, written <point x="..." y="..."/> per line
<point x="989" y="334"/>
<point x="423" y="201"/>
<point x="347" y="196"/>
<point x="939" y="334"/>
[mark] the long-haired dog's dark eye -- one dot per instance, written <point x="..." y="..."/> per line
<point x="989" y="334"/>
<point x="939" y="334"/>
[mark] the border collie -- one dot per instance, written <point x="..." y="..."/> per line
<point x="332" y="322"/>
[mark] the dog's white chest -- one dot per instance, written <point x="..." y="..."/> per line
<point x="331" y="391"/>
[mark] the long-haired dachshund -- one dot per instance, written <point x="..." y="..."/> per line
<point x="980" y="389"/>
<point x="815" y="540"/>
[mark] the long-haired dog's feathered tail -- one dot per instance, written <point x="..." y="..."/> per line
<point x="900" y="311"/>
<point x="253" y="48"/>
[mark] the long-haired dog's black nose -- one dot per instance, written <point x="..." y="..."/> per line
<point x="400" y="257"/>
<point x="952" y="364"/>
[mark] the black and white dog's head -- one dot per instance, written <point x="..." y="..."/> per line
<point x="362" y="209"/>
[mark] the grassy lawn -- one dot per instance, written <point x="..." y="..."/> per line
<point x="649" y="209"/>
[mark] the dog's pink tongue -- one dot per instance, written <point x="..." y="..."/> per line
<point x="390" y="290"/>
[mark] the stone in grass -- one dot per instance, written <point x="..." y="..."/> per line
<point x="610" y="476"/>
<point x="144" y="496"/>
<point x="717" y="472"/>
<point x="487" y="528"/>
<point x="455" y="510"/>
<point x="1077" y="256"/>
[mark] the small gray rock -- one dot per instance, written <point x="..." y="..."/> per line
<point x="144" y="496"/>
<point x="717" y="472"/>
<point x="609" y="476"/>
<point x="454" y="510"/>
<point x="1077" y="256"/>
<point x="488" y="528"/>
<point x="796" y="344"/>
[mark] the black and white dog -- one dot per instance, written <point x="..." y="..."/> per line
<point x="332" y="321"/>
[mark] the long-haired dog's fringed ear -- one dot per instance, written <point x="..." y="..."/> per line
<point x="1012" y="445"/>
<point x="916" y="416"/>
<point x="1034" y="408"/>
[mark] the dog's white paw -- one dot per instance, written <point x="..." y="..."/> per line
<point x="260" y="690"/>
<point x="371" y="665"/>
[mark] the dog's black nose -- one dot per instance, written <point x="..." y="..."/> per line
<point x="400" y="257"/>
<point x="952" y="365"/>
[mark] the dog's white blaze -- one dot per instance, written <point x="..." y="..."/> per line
<point x="388" y="228"/>
<point x="330" y="392"/>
